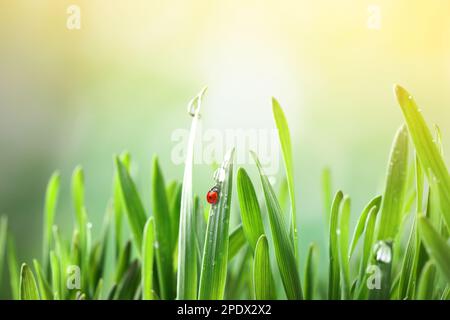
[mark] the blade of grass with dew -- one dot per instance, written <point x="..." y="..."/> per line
<point x="427" y="151"/>
<point x="286" y="147"/>
<point x="3" y="240"/>
<point x="310" y="272"/>
<point x="187" y="257"/>
<point x="147" y="259"/>
<point x="13" y="268"/>
<point x="215" y="253"/>
<point x="284" y="249"/>
<point x="28" y="288"/>
<point x="426" y="284"/>
<point x="375" y="202"/>
<point x="394" y="192"/>
<point x="164" y="248"/>
<point x="250" y="211"/>
<point x="51" y="198"/>
<point x="237" y="241"/>
<point x="327" y="193"/>
<point x="44" y="287"/>
<point x="381" y="270"/>
<point x="262" y="274"/>
<point x="119" y="206"/>
<point x="343" y="236"/>
<point x="133" y="204"/>
<point x="334" y="269"/>
<point x="437" y="247"/>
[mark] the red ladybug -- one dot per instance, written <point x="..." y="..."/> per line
<point x="213" y="195"/>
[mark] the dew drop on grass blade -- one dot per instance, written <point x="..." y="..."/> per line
<point x="187" y="246"/>
<point x="262" y="274"/>
<point x="215" y="253"/>
<point x="28" y="288"/>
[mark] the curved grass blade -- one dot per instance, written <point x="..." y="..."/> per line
<point x="374" y="203"/>
<point x="133" y="204"/>
<point x="147" y="259"/>
<point x="173" y="192"/>
<point x="13" y="267"/>
<point x="382" y="268"/>
<point x="3" y="241"/>
<point x="427" y="151"/>
<point x="164" y="248"/>
<point x="56" y="275"/>
<point x="437" y="247"/>
<point x="326" y="193"/>
<point x="334" y="269"/>
<point x="286" y="147"/>
<point x="236" y="241"/>
<point x="187" y="257"/>
<point x="343" y="236"/>
<point x="28" y="288"/>
<point x="51" y="199"/>
<point x="98" y="290"/>
<point x="215" y="253"/>
<point x="123" y="262"/>
<point x="426" y="285"/>
<point x="119" y="206"/>
<point x="128" y="286"/>
<point x="310" y="272"/>
<point x="250" y="211"/>
<point x="284" y="249"/>
<point x="262" y="273"/>
<point x="394" y="192"/>
<point x="44" y="287"/>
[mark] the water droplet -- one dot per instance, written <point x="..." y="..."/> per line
<point x="383" y="252"/>
<point x="219" y="175"/>
<point x="272" y="180"/>
<point x="156" y="245"/>
<point x="410" y="97"/>
<point x="89" y="225"/>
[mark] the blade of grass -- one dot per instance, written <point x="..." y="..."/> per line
<point x="164" y="249"/>
<point x="427" y="151"/>
<point x="44" y="287"/>
<point x="133" y="204"/>
<point x="173" y="192"/>
<point x="343" y="236"/>
<point x="250" y="211"/>
<point x="286" y="147"/>
<point x="3" y="240"/>
<point x="327" y="193"/>
<point x="147" y="259"/>
<point x="334" y="269"/>
<point x="284" y="249"/>
<point x="123" y="262"/>
<point x="394" y="192"/>
<point x="236" y="241"/>
<point x="310" y="273"/>
<point x="407" y="271"/>
<point x="119" y="206"/>
<point x="437" y="247"/>
<point x="215" y="253"/>
<point x="56" y="275"/>
<point x="426" y="287"/>
<point x="129" y="284"/>
<point x="187" y="257"/>
<point x="262" y="273"/>
<point x="28" y="287"/>
<point x="13" y="268"/>
<point x="51" y="198"/>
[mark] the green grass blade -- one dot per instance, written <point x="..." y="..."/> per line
<point x="310" y="273"/>
<point x="262" y="273"/>
<point x="119" y="206"/>
<point x="286" y="147"/>
<point x="44" y="287"/>
<point x="51" y="198"/>
<point x="123" y="262"/>
<point x="187" y="257"/>
<point x="28" y="287"/>
<point x="215" y="253"/>
<point x="407" y="274"/>
<point x="250" y="210"/>
<point x="13" y="268"/>
<point x="284" y="249"/>
<point x="237" y="240"/>
<point x="173" y="192"/>
<point x="426" y="285"/>
<point x="427" y="151"/>
<point x="147" y="259"/>
<point x="126" y="290"/>
<point x="98" y="291"/>
<point x="343" y="239"/>
<point x="437" y="247"/>
<point x="375" y="202"/>
<point x="133" y="204"/>
<point x="56" y="275"/>
<point x="164" y="249"/>
<point x="3" y="242"/>
<point x="327" y="193"/>
<point x="333" y="254"/>
<point x="394" y="192"/>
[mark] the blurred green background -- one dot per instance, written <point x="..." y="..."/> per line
<point x="123" y="80"/>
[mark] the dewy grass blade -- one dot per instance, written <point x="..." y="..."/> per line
<point x="250" y="211"/>
<point x="426" y="284"/>
<point x="343" y="236"/>
<point x="147" y="259"/>
<point x="28" y="287"/>
<point x="394" y="192"/>
<point x="310" y="272"/>
<point x="215" y="253"/>
<point x="374" y="203"/>
<point x="134" y="208"/>
<point x="437" y="247"/>
<point x="286" y="147"/>
<point x="3" y="241"/>
<point x="333" y="247"/>
<point x="284" y="249"/>
<point x="427" y="151"/>
<point x="262" y="273"/>
<point x="187" y="257"/>
<point x="236" y="242"/>
<point x="164" y="248"/>
<point x="51" y="198"/>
